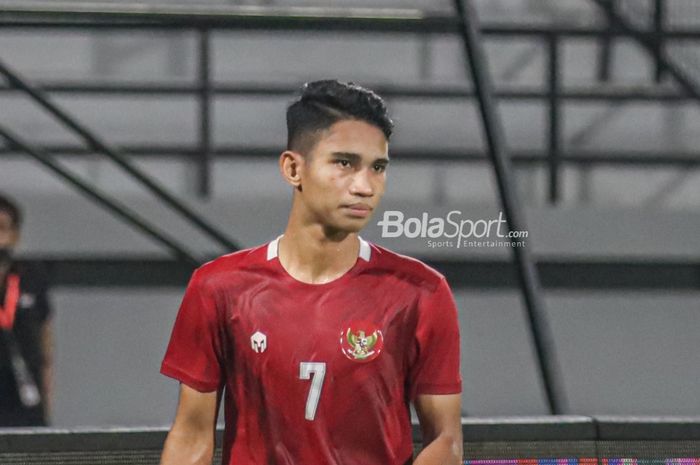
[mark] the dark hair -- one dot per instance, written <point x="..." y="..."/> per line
<point x="7" y="205"/>
<point x="324" y="103"/>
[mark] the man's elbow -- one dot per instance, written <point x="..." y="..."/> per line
<point x="453" y="444"/>
<point x="184" y="448"/>
<point x="457" y="448"/>
<point x="444" y="449"/>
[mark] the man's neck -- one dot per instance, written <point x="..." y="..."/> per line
<point x="315" y="256"/>
<point x="4" y="270"/>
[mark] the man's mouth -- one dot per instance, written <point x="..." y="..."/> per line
<point x="358" y="209"/>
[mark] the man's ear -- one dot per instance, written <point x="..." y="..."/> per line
<point x="291" y="164"/>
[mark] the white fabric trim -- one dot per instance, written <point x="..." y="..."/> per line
<point x="272" y="248"/>
<point x="365" y="251"/>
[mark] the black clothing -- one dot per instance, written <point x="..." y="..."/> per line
<point x="33" y="310"/>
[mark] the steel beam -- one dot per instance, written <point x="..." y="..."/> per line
<point x="529" y="157"/>
<point x="572" y="274"/>
<point x="608" y="92"/>
<point x="93" y="193"/>
<point x="99" y="146"/>
<point x="495" y="141"/>
<point x="85" y="16"/>
<point x="659" y="26"/>
<point x="205" y="97"/>
<point x="554" y="119"/>
<point x="650" y="43"/>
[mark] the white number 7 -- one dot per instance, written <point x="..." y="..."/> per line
<point x="305" y="371"/>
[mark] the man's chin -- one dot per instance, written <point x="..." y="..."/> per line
<point x="350" y="228"/>
<point x="354" y="225"/>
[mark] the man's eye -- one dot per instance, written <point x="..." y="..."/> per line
<point x="343" y="163"/>
<point x="380" y="168"/>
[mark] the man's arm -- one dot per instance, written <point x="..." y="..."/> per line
<point x="441" y="423"/>
<point x="191" y="438"/>
<point x="47" y="368"/>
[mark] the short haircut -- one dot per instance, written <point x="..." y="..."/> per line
<point x="7" y="205"/>
<point x="324" y="103"/>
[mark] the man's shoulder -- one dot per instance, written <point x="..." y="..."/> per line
<point x="33" y="274"/>
<point x="233" y="262"/>
<point x="405" y="267"/>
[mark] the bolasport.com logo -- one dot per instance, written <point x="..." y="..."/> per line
<point x="452" y="230"/>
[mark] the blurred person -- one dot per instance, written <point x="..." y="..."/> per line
<point x="25" y="331"/>
<point x="318" y="341"/>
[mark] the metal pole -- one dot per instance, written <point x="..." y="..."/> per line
<point x="527" y="272"/>
<point x="659" y="19"/>
<point x="205" y="93"/>
<point x="605" y="51"/>
<point x="554" y="145"/>
<point x="448" y="92"/>
<point x="104" y="200"/>
<point x="99" y="146"/>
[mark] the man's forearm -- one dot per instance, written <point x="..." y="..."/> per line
<point x="47" y="370"/>
<point x="47" y="391"/>
<point x="182" y="449"/>
<point x="443" y="450"/>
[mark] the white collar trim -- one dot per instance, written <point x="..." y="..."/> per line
<point x="365" y="252"/>
<point x="272" y="248"/>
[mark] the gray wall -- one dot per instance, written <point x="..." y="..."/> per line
<point x="69" y="225"/>
<point x="621" y="353"/>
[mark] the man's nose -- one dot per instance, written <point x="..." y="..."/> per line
<point x="361" y="184"/>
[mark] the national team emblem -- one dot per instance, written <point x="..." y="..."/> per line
<point x="361" y="341"/>
<point x="258" y="341"/>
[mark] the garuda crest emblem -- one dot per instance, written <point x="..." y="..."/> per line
<point x="361" y="341"/>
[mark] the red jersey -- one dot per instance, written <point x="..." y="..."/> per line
<point x="316" y="374"/>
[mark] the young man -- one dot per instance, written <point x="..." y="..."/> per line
<point x="25" y="331"/>
<point x="319" y="338"/>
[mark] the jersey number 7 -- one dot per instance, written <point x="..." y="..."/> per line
<point x="319" y="371"/>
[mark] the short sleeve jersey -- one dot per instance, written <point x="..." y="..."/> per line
<point x="316" y="373"/>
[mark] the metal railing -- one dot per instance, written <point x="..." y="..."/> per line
<point x="580" y="437"/>
<point x="205" y="20"/>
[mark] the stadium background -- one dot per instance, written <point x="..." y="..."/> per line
<point x="617" y="243"/>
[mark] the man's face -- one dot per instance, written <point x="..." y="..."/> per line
<point x="9" y="235"/>
<point x="344" y="175"/>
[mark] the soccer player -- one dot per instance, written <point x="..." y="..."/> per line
<point x="318" y="340"/>
<point x="25" y="331"/>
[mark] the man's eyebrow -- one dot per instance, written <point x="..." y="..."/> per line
<point x="355" y="157"/>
